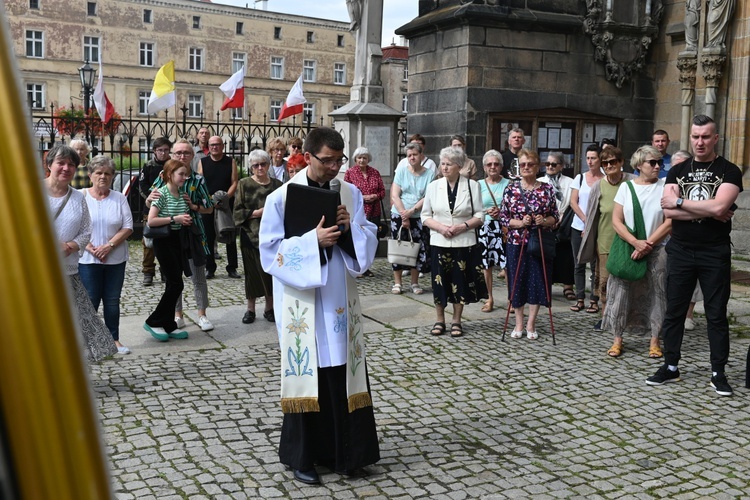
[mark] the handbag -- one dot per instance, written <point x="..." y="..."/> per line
<point x="563" y="230"/>
<point x="403" y="252"/>
<point x="383" y="223"/>
<point x="156" y="233"/>
<point x="619" y="262"/>
<point x="548" y="243"/>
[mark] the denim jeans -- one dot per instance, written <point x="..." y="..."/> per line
<point x="579" y="272"/>
<point x="103" y="283"/>
<point x="711" y="267"/>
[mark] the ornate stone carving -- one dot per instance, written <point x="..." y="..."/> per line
<point x="713" y="68"/>
<point x="688" y="66"/>
<point x="621" y="47"/>
<point x="692" y="24"/>
<point x="720" y="12"/>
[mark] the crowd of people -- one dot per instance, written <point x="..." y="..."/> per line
<point x="654" y="242"/>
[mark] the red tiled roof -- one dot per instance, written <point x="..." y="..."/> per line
<point x="395" y="52"/>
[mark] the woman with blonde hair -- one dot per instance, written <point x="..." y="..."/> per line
<point x="276" y="149"/>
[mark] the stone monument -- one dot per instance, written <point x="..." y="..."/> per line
<point x="366" y="120"/>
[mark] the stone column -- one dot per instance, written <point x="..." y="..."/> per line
<point x="687" y="63"/>
<point x="713" y="60"/>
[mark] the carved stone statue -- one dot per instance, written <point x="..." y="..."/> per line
<point x="692" y="22"/>
<point x="719" y="14"/>
<point x="355" y="13"/>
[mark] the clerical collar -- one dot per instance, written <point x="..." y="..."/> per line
<point x="312" y="183"/>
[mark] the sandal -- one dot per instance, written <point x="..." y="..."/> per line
<point x="516" y="335"/>
<point x="531" y="335"/>
<point x="616" y="349"/>
<point x="438" y="328"/>
<point x="569" y="293"/>
<point x="578" y="306"/>
<point x="396" y="290"/>
<point x="416" y="289"/>
<point x="488" y="307"/>
<point x="593" y="308"/>
<point x="456" y="330"/>
<point x="654" y="351"/>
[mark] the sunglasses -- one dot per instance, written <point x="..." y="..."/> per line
<point x="654" y="163"/>
<point x="527" y="164"/>
<point x="551" y="164"/>
<point x="606" y="163"/>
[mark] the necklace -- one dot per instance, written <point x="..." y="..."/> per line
<point x="531" y="188"/>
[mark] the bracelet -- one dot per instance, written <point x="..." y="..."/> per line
<point x="467" y="225"/>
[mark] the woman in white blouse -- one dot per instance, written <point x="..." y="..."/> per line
<point x="453" y="212"/>
<point x="102" y="265"/>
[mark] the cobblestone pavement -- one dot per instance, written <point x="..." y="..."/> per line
<point x="473" y="417"/>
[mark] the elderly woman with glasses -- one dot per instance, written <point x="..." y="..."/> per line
<point x="639" y="306"/>
<point x="248" y="209"/>
<point x="599" y="232"/>
<point x="563" y="265"/>
<point x="528" y="206"/>
<point x="277" y="151"/>
<point x="491" y="232"/>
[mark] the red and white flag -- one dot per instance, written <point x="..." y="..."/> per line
<point x="294" y="101"/>
<point x="234" y="89"/>
<point x="101" y="101"/>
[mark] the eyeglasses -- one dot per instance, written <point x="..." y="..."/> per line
<point x="162" y="150"/>
<point x="606" y="163"/>
<point x="551" y="164"/>
<point x="492" y="164"/>
<point x="215" y="145"/>
<point x="264" y="164"/>
<point x="654" y="163"/>
<point x="330" y="163"/>
<point x="527" y="164"/>
<point x="280" y="150"/>
<point x="182" y="153"/>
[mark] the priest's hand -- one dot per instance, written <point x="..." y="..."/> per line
<point x="342" y="218"/>
<point x="327" y="236"/>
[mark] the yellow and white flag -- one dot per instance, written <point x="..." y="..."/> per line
<point x="162" y="95"/>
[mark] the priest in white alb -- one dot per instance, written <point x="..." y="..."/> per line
<point x="325" y="394"/>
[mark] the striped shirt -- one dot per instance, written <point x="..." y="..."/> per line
<point x="195" y="186"/>
<point x="169" y="206"/>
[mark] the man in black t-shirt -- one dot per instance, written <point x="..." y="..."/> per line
<point x="699" y="197"/>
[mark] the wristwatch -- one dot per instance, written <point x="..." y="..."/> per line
<point x="171" y="218"/>
<point x="111" y="245"/>
<point x="678" y="203"/>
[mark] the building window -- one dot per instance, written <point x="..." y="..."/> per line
<point x="406" y="72"/>
<point x="143" y="97"/>
<point x="275" y="109"/>
<point x="404" y="103"/>
<point x="35" y="44"/>
<point x="239" y="28"/>
<point x="310" y="37"/>
<point x="146" y="54"/>
<point x="238" y="113"/>
<point x="277" y="68"/>
<point x="339" y="73"/>
<point x="277" y="33"/>
<point x="147" y="16"/>
<point x="91" y="48"/>
<point x="308" y="111"/>
<point x="34" y="4"/>
<point x="340" y="40"/>
<point x="91" y="8"/>
<point x="239" y="60"/>
<point x="197" y="22"/>
<point x="195" y="59"/>
<point x="35" y="95"/>
<point x="195" y="105"/>
<point x="308" y="70"/>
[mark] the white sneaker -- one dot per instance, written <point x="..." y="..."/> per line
<point x="180" y="322"/>
<point x="123" y="350"/>
<point x="205" y="325"/>
<point x="689" y="324"/>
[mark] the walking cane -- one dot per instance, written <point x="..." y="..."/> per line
<point x="546" y="287"/>
<point x="515" y="280"/>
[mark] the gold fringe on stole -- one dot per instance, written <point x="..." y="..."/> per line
<point x="361" y="400"/>
<point x="300" y="405"/>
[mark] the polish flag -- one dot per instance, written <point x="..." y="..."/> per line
<point x="294" y="101"/>
<point x="101" y="101"/>
<point x="234" y="89"/>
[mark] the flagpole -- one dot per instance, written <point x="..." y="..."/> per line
<point x="175" y="121"/>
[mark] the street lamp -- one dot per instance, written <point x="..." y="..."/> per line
<point x="87" y="75"/>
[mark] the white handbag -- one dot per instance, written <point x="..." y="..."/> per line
<point x="403" y="252"/>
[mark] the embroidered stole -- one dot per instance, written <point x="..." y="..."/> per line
<point x="299" y="354"/>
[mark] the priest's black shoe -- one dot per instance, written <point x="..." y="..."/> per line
<point x="307" y="477"/>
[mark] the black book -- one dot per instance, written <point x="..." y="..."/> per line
<point x="305" y="205"/>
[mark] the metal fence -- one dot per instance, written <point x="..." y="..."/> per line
<point x="128" y="139"/>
